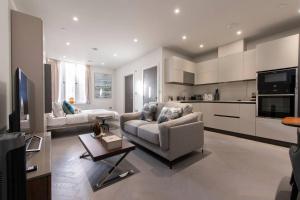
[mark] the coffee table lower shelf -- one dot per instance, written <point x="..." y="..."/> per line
<point x="97" y="152"/>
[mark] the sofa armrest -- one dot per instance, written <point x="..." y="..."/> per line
<point x="129" y="116"/>
<point x="164" y="127"/>
<point x="200" y="116"/>
<point x="185" y="138"/>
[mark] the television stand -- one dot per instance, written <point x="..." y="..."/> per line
<point x="39" y="181"/>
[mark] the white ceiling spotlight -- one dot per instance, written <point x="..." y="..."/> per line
<point x="239" y="32"/>
<point x="299" y="10"/>
<point x="135" y="40"/>
<point x="201" y="46"/>
<point x="68" y="43"/>
<point x="184" y="37"/>
<point x="64" y="57"/>
<point x="176" y="11"/>
<point x="75" y="19"/>
<point x="115" y="55"/>
<point x="102" y="63"/>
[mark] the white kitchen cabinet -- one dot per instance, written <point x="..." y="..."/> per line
<point x="247" y="119"/>
<point x="231" y="68"/>
<point x="188" y="66"/>
<point x="273" y="129"/>
<point x="175" y="68"/>
<point x="277" y="54"/>
<point x="208" y="110"/>
<point x="174" y="75"/>
<point x="226" y="116"/>
<point x="249" y="65"/>
<point x="207" y="72"/>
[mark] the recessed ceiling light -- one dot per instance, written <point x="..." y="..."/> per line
<point x="135" y="40"/>
<point x="298" y="10"/>
<point x="75" y="19"/>
<point x="201" y="45"/>
<point x="68" y="43"/>
<point x="239" y="32"/>
<point x="176" y="11"/>
<point x="184" y="37"/>
<point x="102" y="63"/>
<point x="115" y="55"/>
<point x="64" y="56"/>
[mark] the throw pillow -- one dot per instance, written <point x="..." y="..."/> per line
<point x="168" y="114"/>
<point x="57" y="110"/>
<point x="187" y="109"/>
<point x="148" y="111"/>
<point x="68" y="108"/>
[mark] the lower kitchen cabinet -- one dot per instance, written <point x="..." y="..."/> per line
<point x="273" y="129"/>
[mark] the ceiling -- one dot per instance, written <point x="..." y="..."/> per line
<point x="111" y="25"/>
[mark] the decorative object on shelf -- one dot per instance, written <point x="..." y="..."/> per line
<point x="98" y="131"/>
<point x="72" y="100"/>
<point x="217" y="94"/>
<point x="112" y="142"/>
<point x="102" y="86"/>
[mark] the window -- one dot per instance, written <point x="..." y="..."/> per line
<point x="72" y="82"/>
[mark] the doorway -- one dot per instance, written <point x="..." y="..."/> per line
<point x="129" y="93"/>
<point x="150" y="85"/>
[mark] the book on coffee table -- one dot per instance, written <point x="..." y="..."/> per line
<point x="112" y="142"/>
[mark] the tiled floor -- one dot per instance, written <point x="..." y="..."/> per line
<point x="230" y="169"/>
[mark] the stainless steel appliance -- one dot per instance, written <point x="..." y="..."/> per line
<point x="277" y="93"/>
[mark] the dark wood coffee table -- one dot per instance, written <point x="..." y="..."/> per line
<point x="96" y="150"/>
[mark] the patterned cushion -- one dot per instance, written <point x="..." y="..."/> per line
<point x="68" y="108"/>
<point x="167" y="114"/>
<point x="57" y="110"/>
<point x="148" y="112"/>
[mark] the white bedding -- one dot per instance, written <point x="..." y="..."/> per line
<point x="84" y="116"/>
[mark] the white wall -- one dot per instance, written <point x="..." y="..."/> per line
<point x="99" y="103"/>
<point x="136" y="68"/>
<point x="5" y="80"/>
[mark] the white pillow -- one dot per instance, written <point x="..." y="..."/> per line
<point x="57" y="110"/>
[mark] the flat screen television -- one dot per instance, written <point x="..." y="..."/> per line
<point x="19" y="119"/>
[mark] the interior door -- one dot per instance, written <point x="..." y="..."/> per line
<point x="150" y="85"/>
<point x="129" y="93"/>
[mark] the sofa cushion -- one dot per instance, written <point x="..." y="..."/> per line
<point x="186" y="108"/>
<point x="148" y="112"/>
<point x="131" y="126"/>
<point x="149" y="132"/>
<point x="168" y="114"/>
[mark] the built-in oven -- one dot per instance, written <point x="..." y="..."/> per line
<point x="277" y="81"/>
<point x="277" y="95"/>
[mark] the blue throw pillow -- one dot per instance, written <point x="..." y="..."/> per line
<point x="68" y="108"/>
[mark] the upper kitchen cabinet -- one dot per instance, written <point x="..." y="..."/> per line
<point x="249" y="65"/>
<point x="179" y="71"/>
<point x="231" y="68"/>
<point x="207" y="72"/>
<point x="277" y="54"/>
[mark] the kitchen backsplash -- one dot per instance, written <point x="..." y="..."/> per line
<point x="241" y="90"/>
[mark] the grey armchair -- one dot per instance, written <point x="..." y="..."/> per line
<point x="171" y="139"/>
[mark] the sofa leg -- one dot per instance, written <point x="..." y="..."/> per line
<point x="202" y="150"/>
<point x="170" y="164"/>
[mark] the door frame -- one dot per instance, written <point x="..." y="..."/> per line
<point x="133" y="91"/>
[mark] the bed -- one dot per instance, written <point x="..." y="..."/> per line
<point x="85" y="117"/>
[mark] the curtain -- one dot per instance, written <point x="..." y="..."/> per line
<point x="88" y="83"/>
<point x="54" y="78"/>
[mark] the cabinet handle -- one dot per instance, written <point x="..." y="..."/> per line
<point x="237" y="117"/>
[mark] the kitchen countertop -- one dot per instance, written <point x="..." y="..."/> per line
<point x="219" y="101"/>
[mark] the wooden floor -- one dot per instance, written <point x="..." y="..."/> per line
<point x="230" y="169"/>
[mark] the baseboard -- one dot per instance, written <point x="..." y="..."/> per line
<point x="251" y="137"/>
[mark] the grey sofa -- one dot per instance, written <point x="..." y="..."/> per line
<point x="171" y="139"/>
